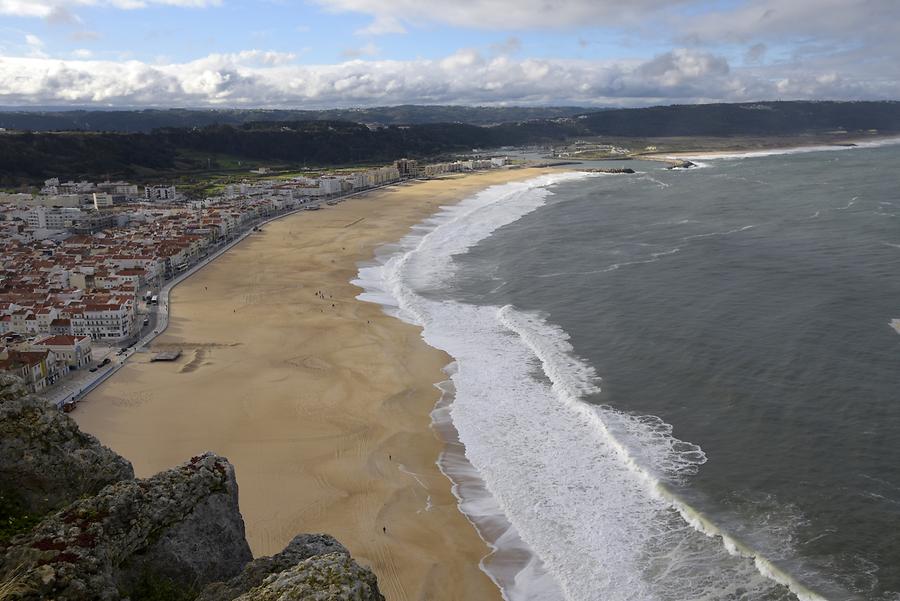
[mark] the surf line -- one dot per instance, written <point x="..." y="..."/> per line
<point x="735" y="546"/>
<point x="694" y="518"/>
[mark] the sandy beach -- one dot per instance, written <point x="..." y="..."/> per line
<point x="747" y="147"/>
<point x="320" y="401"/>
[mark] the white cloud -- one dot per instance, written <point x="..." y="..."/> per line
<point x="847" y="20"/>
<point x="510" y="45"/>
<point x="60" y="10"/>
<point x="369" y="49"/>
<point x="257" y="78"/>
<point x="707" y="20"/>
<point x="35" y="46"/>
<point x="383" y="24"/>
<point x="501" y="14"/>
<point x="755" y="53"/>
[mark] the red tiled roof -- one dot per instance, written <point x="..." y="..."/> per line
<point x="61" y="340"/>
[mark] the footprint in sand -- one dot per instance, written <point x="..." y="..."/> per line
<point x="309" y="362"/>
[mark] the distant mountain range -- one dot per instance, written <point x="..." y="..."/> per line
<point x="226" y="140"/>
<point x="135" y="121"/>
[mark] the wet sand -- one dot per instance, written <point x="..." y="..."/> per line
<point x="322" y="402"/>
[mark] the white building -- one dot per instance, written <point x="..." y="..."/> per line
<point x="104" y="322"/>
<point x="52" y="218"/>
<point x="75" y="351"/>
<point x="119" y="189"/>
<point x="329" y="185"/>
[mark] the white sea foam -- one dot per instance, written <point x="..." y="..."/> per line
<point x="848" y="205"/>
<point x="648" y="177"/>
<point x="895" y="323"/>
<point x="585" y="488"/>
<point x="726" y="233"/>
<point x="651" y="258"/>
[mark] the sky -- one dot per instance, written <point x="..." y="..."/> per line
<point x="356" y="53"/>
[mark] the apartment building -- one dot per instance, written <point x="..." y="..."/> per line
<point x="52" y="218"/>
<point x="107" y="322"/>
<point x="160" y="193"/>
<point x="38" y="369"/>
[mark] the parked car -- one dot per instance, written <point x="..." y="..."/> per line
<point x="93" y="369"/>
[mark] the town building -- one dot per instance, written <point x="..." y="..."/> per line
<point x="160" y="193"/>
<point x="74" y="351"/>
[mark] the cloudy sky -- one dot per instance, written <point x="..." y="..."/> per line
<point x="326" y="53"/>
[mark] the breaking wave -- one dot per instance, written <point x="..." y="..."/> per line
<point x="581" y="497"/>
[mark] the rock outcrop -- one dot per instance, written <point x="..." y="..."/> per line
<point x="303" y="547"/>
<point x="46" y="462"/>
<point x="681" y="165"/>
<point x="182" y="526"/>
<point x="108" y="536"/>
<point x="332" y="577"/>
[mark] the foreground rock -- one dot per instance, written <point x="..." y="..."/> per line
<point x="303" y="547"/>
<point x="46" y="462"/>
<point x="181" y="526"/>
<point x="107" y="536"/>
<point x="332" y="577"/>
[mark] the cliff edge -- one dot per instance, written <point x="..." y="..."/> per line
<point x="76" y="525"/>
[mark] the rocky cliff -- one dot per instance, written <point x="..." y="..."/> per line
<point x="93" y="531"/>
<point x="45" y="460"/>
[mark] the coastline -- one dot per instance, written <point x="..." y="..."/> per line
<point x="738" y="151"/>
<point x="323" y="402"/>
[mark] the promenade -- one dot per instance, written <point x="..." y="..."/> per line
<point x="81" y="383"/>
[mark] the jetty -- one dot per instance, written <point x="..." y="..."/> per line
<point x="613" y="170"/>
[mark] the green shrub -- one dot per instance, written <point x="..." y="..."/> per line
<point x="159" y="588"/>
<point x="14" y="516"/>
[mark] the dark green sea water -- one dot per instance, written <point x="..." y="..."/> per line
<point x="748" y="304"/>
<point x="677" y="384"/>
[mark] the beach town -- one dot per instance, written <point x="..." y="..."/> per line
<point x="86" y="267"/>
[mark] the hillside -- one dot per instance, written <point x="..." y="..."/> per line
<point x="27" y="157"/>
<point x="144" y="121"/>
<point x="754" y="119"/>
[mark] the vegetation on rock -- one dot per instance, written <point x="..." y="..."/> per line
<point x="109" y="536"/>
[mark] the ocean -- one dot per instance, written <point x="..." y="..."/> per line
<point x="672" y="385"/>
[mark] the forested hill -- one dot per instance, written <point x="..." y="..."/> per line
<point x="749" y="119"/>
<point x="758" y="118"/>
<point x="134" y="121"/>
<point x="31" y="157"/>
